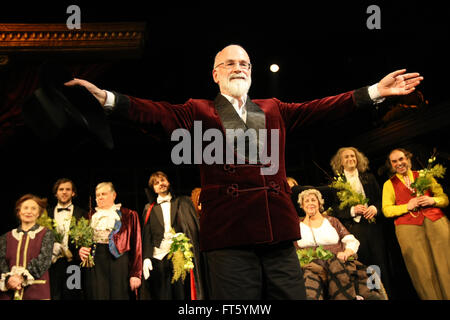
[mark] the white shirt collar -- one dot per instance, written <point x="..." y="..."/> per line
<point x="161" y="199"/>
<point x="242" y="111"/>
<point x="114" y="208"/>
<point x="70" y="206"/>
<point x="354" y="174"/>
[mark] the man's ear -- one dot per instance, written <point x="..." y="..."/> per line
<point x="215" y="76"/>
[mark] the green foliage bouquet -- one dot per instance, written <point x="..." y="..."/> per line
<point x="306" y="256"/>
<point x="49" y="223"/>
<point x="82" y="235"/>
<point x="181" y="255"/>
<point x="347" y="196"/>
<point x="424" y="180"/>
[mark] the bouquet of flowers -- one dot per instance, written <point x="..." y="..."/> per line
<point x="49" y="223"/>
<point x="306" y="256"/>
<point x="181" y="255"/>
<point x="424" y="180"/>
<point x="82" y="235"/>
<point x="347" y="196"/>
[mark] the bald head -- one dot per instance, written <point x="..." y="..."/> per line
<point x="232" y="71"/>
<point x="232" y="50"/>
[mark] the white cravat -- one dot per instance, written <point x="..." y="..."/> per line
<point x="63" y="219"/>
<point x="105" y="219"/>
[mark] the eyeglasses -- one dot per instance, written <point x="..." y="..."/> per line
<point x="231" y="64"/>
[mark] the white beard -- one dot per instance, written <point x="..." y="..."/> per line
<point x="237" y="87"/>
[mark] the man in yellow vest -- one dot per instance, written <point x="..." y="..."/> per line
<point x="422" y="229"/>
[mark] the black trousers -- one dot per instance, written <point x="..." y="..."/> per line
<point x="108" y="279"/>
<point x="160" y="286"/>
<point x="256" y="272"/>
<point x="58" y="282"/>
<point x="372" y="248"/>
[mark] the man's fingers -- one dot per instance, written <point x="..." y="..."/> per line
<point x="397" y="73"/>
<point x="414" y="76"/>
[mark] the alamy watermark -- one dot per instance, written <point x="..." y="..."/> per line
<point x="374" y="20"/>
<point x="374" y="279"/>
<point x="238" y="147"/>
<point x="74" y="20"/>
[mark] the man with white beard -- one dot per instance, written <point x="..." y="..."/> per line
<point x="248" y="222"/>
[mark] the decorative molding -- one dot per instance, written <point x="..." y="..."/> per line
<point x="92" y="37"/>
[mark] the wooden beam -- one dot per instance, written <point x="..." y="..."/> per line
<point x="116" y="37"/>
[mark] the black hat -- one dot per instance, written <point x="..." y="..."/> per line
<point x="54" y="109"/>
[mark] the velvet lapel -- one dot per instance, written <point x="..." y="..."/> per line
<point x="256" y="120"/>
<point x="227" y="114"/>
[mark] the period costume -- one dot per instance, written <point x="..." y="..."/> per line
<point x="372" y="249"/>
<point x="333" y="279"/>
<point x="26" y="253"/>
<point x="245" y="212"/>
<point x="423" y="235"/>
<point x="117" y="253"/>
<point x="62" y="261"/>
<point x="177" y="213"/>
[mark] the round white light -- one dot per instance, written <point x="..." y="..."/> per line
<point x="274" y="68"/>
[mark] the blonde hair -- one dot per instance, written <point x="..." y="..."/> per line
<point x="362" y="161"/>
<point x="105" y="184"/>
<point x="308" y="192"/>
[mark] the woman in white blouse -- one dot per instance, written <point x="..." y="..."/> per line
<point x="341" y="277"/>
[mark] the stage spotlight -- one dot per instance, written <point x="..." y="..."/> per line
<point x="274" y="68"/>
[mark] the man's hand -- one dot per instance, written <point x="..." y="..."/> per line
<point x="425" y="201"/>
<point x="98" y="93"/>
<point x="135" y="283"/>
<point x="412" y="204"/>
<point x="147" y="267"/>
<point x="84" y="253"/>
<point x="399" y="83"/>
<point x="359" y="209"/>
<point x="370" y="212"/>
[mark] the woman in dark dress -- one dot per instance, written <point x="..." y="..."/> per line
<point x="26" y="254"/>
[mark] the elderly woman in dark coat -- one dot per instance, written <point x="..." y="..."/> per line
<point x="26" y="254"/>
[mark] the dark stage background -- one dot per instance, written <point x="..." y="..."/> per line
<point x="322" y="49"/>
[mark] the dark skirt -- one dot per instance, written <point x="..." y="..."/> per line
<point x="108" y="279"/>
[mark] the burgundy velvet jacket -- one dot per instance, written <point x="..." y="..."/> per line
<point x="240" y="206"/>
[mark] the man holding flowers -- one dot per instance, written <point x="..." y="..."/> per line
<point x="64" y="191"/>
<point x="117" y="249"/>
<point x="422" y="229"/>
<point x="170" y="245"/>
